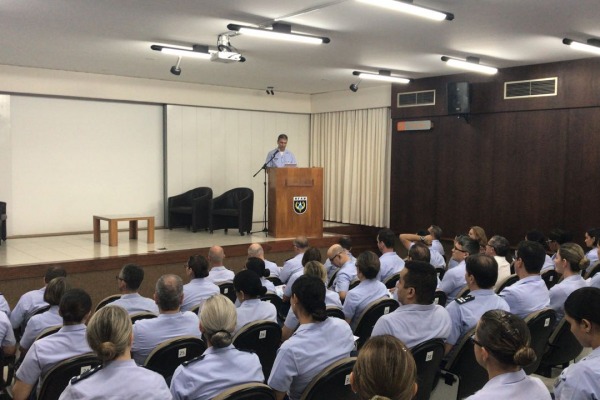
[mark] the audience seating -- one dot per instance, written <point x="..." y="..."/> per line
<point x="463" y="292"/>
<point x="355" y="282"/>
<point x="57" y="379"/>
<point x="541" y="325"/>
<point x="506" y="282"/>
<point x="428" y="357"/>
<point x="440" y="298"/>
<point x="263" y="338"/>
<point x="7" y="363"/>
<point x="440" y="273"/>
<point x="335" y="312"/>
<point x="332" y="279"/>
<point x="551" y="277"/>
<point x="141" y="315"/>
<point x="275" y="300"/>
<point x="391" y="280"/>
<point x="332" y="383"/>
<point x="275" y="280"/>
<point x="562" y="348"/>
<point x="107" y="300"/>
<point x="233" y="209"/>
<point x="247" y="391"/>
<point x="369" y="317"/>
<point x="167" y="356"/>
<point x="191" y="209"/>
<point x="20" y="330"/>
<point x="2" y="221"/>
<point x="48" y="331"/>
<point x="593" y="270"/>
<point x="227" y="290"/>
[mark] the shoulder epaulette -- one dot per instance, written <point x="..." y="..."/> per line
<point x="465" y="299"/>
<point x="188" y="362"/>
<point x="85" y="375"/>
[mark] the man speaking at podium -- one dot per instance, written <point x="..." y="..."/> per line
<point x="280" y="157"/>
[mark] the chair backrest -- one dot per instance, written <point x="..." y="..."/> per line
<point x="428" y="357"/>
<point x="48" y="331"/>
<point x="7" y="363"/>
<point x="463" y="291"/>
<point x="263" y="338"/>
<point x="551" y="278"/>
<point x="541" y="325"/>
<point x="462" y="362"/>
<point x="440" y="272"/>
<point x="390" y="281"/>
<point x="332" y="279"/>
<point x="275" y="280"/>
<point x="167" y="356"/>
<point x="562" y="347"/>
<point x="273" y="299"/>
<point x="332" y="383"/>
<point x="355" y="282"/>
<point x="141" y="315"/>
<point x="336" y="312"/>
<point x="57" y="379"/>
<point x="369" y="317"/>
<point x="247" y="391"/>
<point x="593" y="270"/>
<point x="107" y="300"/>
<point x="227" y="290"/>
<point x="440" y="298"/>
<point x="506" y="282"/>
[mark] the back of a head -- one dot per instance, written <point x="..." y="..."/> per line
<point x="484" y="269"/>
<point x="584" y="303"/>
<point x="419" y="252"/>
<point x="435" y="231"/>
<point x="346" y="242"/>
<point x="368" y="264"/>
<point x="316" y="269"/>
<point x="573" y="253"/>
<point x="536" y="236"/>
<point x="469" y="245"/>
<point x="500" y="244"/>
<point x="169" y="292"/>
<point x="310" y="292"/>
<point x="74" y="306"/>
<point x="479" y="234"/>
<point x="216" y="255"/>
<point x="133" y="275"/>
<point x="387" y="237"/>
<point x="55" y="290"/>
<point x="422" y="277"/>
<point x="255" y="250"/>
<point x="55" y="271"/>
<point x="301" y="242"/>
<point x="311" y="254"/>
<point x="560" y="236"/>
<point x="385" y="368"/>
<point x="218" y="318"/>
<point x="506" y="337"/>
<point x="109" y="332"/>
<point x="533" y="256"/>
<point x="248" y="281"/>
<point x="257" y="265"/>
<point x="199" y="266"/>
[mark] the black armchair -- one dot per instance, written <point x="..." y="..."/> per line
<point x="191" y="209"/>
<point x="233" y="209"/>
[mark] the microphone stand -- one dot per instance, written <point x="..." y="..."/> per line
<point x="265" y="230"/>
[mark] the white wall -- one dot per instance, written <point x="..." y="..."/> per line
<point x="345" y="100"/>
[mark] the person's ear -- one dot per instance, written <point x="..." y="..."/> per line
<point x="415" y="388"/>
<point x="352" y="384"/>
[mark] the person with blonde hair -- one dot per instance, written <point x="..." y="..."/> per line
<point x="110" y="335"/>
<point x="570" y="260"/>
<point x="478" y="233"/>
<point x="222" y="365"/>
<point x="384" y="370"/>
<point x="502" y="346"/>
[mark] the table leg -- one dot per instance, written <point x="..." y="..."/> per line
<point x="151" y="230"/>
<point x="113" y="233"/>
<point x="133" y="229"/>
<point x="96" y="229"/>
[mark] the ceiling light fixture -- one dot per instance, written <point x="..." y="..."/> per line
<point x="354" y="86"/>
<point x="471" y="64"/>
<point x="176" y="69"/>
<point x="592" y="45"/>
<point x="279" y="31"/>
<point x="384" y="75"/>
<point x="196" y="51"/>
<point x="407" y="6"/>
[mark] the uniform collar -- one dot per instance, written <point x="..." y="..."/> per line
<point x="509" y="377"/>
<point x="215" y="350"/>
<point x="73" y="328"/>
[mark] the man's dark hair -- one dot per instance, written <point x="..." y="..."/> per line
<point x="388" y="237"/>
<point x="74" y="305"/>
<point x="484" y="269"/>
<point x="536" y="236"/>
<point x="132" y="275"/>
<point x="469" y="245"/>
<point x="595" y="234"/>
<point x="368" y="264"/>
<point x="282" y="136"/>
<point x="419" y="252"/>
<point x="533" y="256"/>
<point x="435" y="231"/>
<point x="560" y="236"/>
<point x="55" y="271"/>
<point x="346" y="242"/>
<point x="422" y="277"/>
<point x="199" y="266"/>
<point x="169" y="289"/>
<point x="500" y="244"/>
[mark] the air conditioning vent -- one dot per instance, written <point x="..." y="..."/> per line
<point x="414" y="99"/>
<point x="531" y="88"/>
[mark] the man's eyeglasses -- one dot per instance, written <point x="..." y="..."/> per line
<point x="456" y="249"/>
<point x="333" y="258"/>
<point x="477" y="342"/>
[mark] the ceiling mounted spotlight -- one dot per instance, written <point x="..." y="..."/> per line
<point x="175" y="69"/>
<point x="354" y="86"/>
<point x="384" y="75"/>
<point x="195" y="51"/>
<point x="270" y="90"/>
<point x="407" y="6"/>
<point x="591" y="46"/>
<point x="279" y="31"/>
<point x="470" y="64"/>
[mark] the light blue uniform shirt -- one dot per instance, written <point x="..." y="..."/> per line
<point x="149" y="333"/>
<point x="360" y="297"/>
<point x="465" y="316"/>
<point x="592" y="255"/>
<point x="4" y="306"/>
<point x="452" y="263"/>
<point x="287" y="291"/>
<point x="215" y="371"/>
<point x="453" y="281"/>
<point x="415" y="323"/>
<point x="68" y="342"/>
<point x="197" y="292"/>
<point x="513" y="385"/>
<point x="346" y="274"/>
<point x="311" y="349"/>
<point x="268" y="284"/>
<point x="390" y="264"/>
<point x="548" y="264"/>
<point x="254" y="310"/>
<point x="332" y="299"/>
<point x="38" y="323"/>
<point x="580" y="381"/>
<point x="119" y="380"/>
<point x="559" y="293"/>
<point x="281" y="158"/>
<point x="7" y="336"/>
<point x="437" y="246"/>
<point x="220" y="274"/>
<point x="273" y="268"/>
<point x="135" y="303"/>
<point x="594" y="281"/>
<point x="290" y="267"/>
<point x="526" y="296"/>
<point x="28" y="303"/>
<point x="436" y="259"/>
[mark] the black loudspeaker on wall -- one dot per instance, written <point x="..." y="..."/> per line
<point x="458" y="98"/>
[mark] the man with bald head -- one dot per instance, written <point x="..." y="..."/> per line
<point x="218" y="273"/>
<point x="294" y="264"/>
<point x="347" y="269"/>
<point x="256" y="250"/>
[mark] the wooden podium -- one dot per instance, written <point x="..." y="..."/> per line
<point x="295" y="202"/>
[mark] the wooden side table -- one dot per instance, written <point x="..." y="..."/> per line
<point x="113" y="231"/>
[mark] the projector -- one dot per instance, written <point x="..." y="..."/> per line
<point x="226" y="57"/>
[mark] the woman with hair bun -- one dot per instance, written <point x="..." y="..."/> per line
<point x="384" y="370"/>
<point x="222" y="365"/>
<point x="248" y="290"/>
<point x="109" y="334"/>
<point x="570" y="260"/>
<point x="501" y="346"/>
<point x="318" y="342"/>
<point x="258" y="266"/>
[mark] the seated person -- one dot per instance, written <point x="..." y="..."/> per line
<point x="248" y="290"/>
<point x="347" y="269"/>
<point x="110" y="335"/>
<point x="256" y="250"/>
<point x="454" y="279"/>
<point x="570" y="260"/>
<point x="129" y="281"/>
<point x="200" y="286"/>
<point x="499" y="248"/>
<point x="300" y="244"/>
<point x="537" y="236"/>
<point x="346" y="243"/>
<point x="318" y="342"/>
<point x="218" y="273"/>
<point x="390" y="262"/>
<point x="222" y="365"/>
<point x="311" y="254"/>
<point x="4" y="306"/>
<point x="7" y="336"/>
<point x="258" y="266"/>
<point x="75" y="309"/>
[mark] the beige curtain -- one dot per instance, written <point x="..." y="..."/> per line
<point x="353" y="147"/>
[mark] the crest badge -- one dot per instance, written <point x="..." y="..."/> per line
<point x="300" y="204"/>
